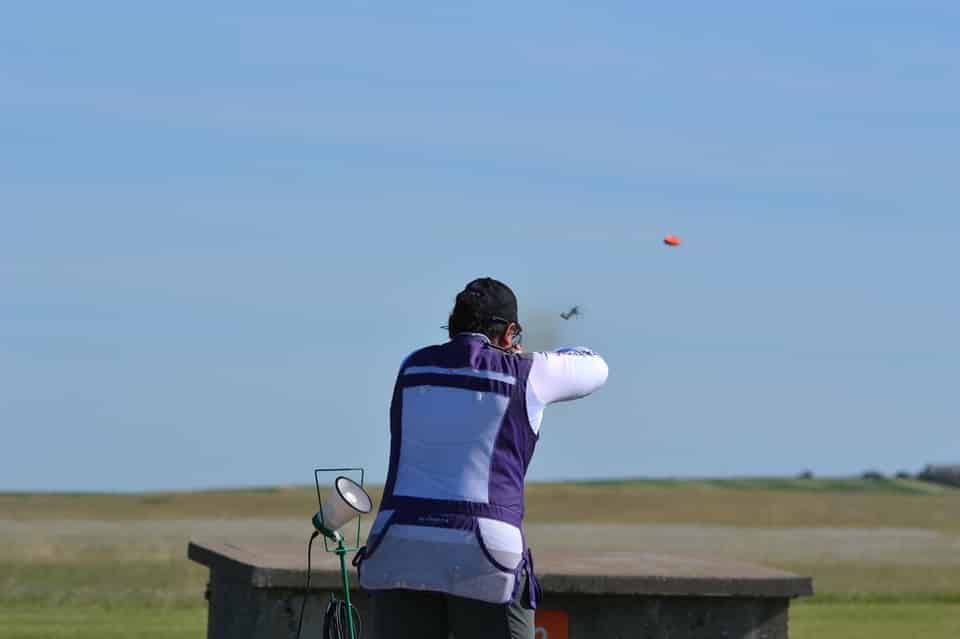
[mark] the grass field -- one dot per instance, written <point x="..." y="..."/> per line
<point x="859" y="620"/>
<point x="97" y="622"/>
<point x="885" y="555"/>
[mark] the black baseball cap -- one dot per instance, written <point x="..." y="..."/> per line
<point x="488" y="299"/>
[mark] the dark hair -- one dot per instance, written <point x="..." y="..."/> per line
<point x="484" y="306"/>
<point x="464" y="320"/>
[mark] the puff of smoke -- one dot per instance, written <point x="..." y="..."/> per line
<point x="543" y="330"/>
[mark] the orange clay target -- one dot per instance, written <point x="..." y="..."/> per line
<point x="671" y="240"/>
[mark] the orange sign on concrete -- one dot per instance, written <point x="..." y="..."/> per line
<point x="552" y="624"/>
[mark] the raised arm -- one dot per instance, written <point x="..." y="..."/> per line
<point x="562" y="375"/>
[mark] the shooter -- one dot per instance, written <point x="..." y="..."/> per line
<point x="447" y="553"/>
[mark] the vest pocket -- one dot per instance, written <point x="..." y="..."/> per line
<point x="501" y="543"/>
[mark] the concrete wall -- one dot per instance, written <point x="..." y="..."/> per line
<point x="240" y="611"/>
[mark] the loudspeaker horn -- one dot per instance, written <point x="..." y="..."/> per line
<point x="345" y="502"/>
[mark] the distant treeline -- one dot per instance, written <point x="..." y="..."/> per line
<point x="947" y="474"/>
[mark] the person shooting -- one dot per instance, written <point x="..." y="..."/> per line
<point x="447" y="554"/>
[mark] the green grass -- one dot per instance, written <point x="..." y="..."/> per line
<point x="887" y="581"/>
<point x="747" y="503"/>
<point x="841" y="485"/>
<point x="294" y="501"/>
<point x="808" y="620"/>
<point x="886" y="486"/>
<point x="97" y="622"/>
<point x="265" y="503"/>
<point x="753" y="502"/>
<point x="874" y="620"/>
<point x="102" y="565"/>
<point x="147" y="584"/>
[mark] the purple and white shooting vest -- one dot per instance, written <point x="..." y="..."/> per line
<point x="461" y="441"/>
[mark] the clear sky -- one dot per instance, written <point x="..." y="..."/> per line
<point x="223" y="225"/>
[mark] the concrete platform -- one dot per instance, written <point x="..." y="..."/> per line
<point x="255" y="592"/>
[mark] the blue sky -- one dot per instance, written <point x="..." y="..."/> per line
<point x="223" y="225"/>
